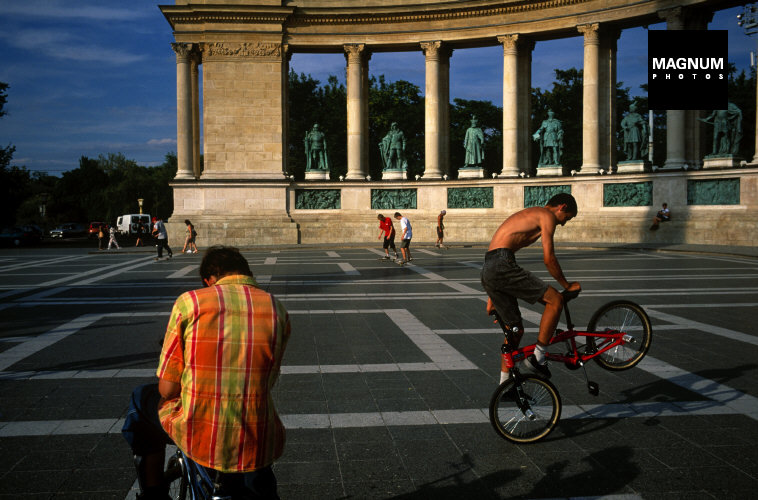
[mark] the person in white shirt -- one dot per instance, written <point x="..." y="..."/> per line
<point x="405" y="238"/>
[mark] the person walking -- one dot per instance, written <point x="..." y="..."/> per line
<point x="161" y="237"/>
<point x="224" y="423"/>
<point x="440" y="230"/>
<point x="405" y="238"/>
<point x="112" y="240"/>
<point x="101" y="237"/>
<point x="140" y="233"/>
<point x="189" y="241"/>
<point x="387" y="229"/>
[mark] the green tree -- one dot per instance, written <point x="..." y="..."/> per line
<point x="310" y="103"/>
<point x="14" y="181"/>
<point x="742" y="93"/>
<point x="490" y="121"/>
<point x="565" y="99"/>
<point x="400" y="102"/>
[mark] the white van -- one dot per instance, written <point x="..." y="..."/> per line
<point x="130" y="223"/>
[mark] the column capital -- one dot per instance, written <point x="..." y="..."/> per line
<point x="356" y="52"/>
<point x="591" y="33"/>
<point x="183" y="50"/>
<point x="509" y="43"/>
<point x="674" y="18"/>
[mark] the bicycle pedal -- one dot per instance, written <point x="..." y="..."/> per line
<point x="593" y="388"/>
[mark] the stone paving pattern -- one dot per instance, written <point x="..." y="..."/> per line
<point x="388" y="375"/>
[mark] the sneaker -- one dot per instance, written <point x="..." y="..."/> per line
<point x="157" y="258"/>
<point x="540" y="369"/>
<point x="400" y="262"/>
<point x="170" y="256"/>
<point x="386" y="257"/>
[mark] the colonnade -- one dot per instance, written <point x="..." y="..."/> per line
<point x="598" y="108"/>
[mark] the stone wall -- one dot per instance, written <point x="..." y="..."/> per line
<point x="714" y="207"/>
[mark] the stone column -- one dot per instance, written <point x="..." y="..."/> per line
<point x="510" y="105"/>
<point x="524" y="99"/>
<point x="590" y="100"/>
<point x="356" y="108"/>
<point x="607" y="112"/>
<point x="183" y="111"/>
<point x="195" y="62"/>
<point x="364" y="123"/>
<point x="675" y="118"/>
<point x="434" y="119"/>
<point x="445" y="55"/>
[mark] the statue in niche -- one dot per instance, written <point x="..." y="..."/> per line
<point x="550" y="138"/>
<point x="474" y="144"/>
<point x="727" y="130"/>
<point x="315" y="150"/>
<point x="635" y="131"/>
<point x="392" y="148"/>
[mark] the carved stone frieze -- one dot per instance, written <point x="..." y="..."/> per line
<point x="243" y="50"/>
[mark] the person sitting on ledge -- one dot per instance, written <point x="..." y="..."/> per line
<point x="663" y="215"/>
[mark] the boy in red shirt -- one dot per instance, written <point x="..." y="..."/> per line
<point x="387" y="229"/>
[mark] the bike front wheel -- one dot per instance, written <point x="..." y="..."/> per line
<point x="631" y="320"/>
<point x="525" y="411"/>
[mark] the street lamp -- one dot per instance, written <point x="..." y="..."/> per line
<point x="140" y="201"/>
<point x="43" y="205"/>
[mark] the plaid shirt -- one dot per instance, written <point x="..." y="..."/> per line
<point x="224" y="345"/>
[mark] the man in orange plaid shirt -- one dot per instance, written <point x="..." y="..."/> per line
<point x="220" y="359"/>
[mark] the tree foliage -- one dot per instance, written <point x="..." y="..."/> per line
<point x="490" y="119"/>
<point x="399" y="101"/>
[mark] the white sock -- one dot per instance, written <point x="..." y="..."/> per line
<point x="504" y="376"/>
<point x="539" y="353"/>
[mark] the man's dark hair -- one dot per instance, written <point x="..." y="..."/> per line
<point x="220" y="261"/>
<point x="380" y="217"/>
<point x="397" y="214"/>
<point x="564" y="199"/>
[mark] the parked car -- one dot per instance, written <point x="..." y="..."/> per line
<point x="17" y="236"/>
<point x="94" y="228"/>
<point x="69" y="230"/>
<point x="35" y="230"/>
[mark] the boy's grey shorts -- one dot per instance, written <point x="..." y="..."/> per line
<point x="505" y="281"/>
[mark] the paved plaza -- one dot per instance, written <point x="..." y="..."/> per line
<point x="388" y="374"/>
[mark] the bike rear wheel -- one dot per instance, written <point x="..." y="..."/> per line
<point x="529" y="419"/>
<point x="621" y="316"/>
<point x="176" y="476"/>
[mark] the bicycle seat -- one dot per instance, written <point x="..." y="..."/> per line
<point x="570" y="295"/>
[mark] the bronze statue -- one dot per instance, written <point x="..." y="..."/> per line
<point x="315" y="150"/>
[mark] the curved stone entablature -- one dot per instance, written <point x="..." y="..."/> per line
<point x="393" y="25"/>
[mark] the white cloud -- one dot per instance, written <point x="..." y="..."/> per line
<point x="161" y="142"/>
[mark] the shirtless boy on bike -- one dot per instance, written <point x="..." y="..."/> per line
<point x="505" y="281"/>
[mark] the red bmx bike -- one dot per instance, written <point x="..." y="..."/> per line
<point x="525" y="408"/>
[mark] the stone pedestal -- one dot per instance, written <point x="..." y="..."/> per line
<point x="552" y="170"/>
<point x="721" y="161"/>
<point x="470" y="173"/>
<point x="316" y="175"/>
<point x="393" y="174"/>
<point x="633" y="167"/>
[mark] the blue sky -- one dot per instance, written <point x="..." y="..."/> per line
<point x="89" y="77"/>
